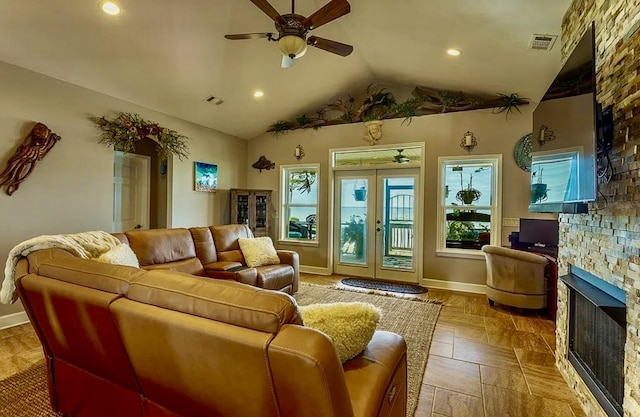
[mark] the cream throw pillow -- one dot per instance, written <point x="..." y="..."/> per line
<point x="120" y="255"/>
<point x="258" y="251"/>
<point x="349" y="325"/>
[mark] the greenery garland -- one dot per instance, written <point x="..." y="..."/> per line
<point x="123" y="131"/>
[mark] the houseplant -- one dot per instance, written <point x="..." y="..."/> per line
<point x="469" y="194"/>
<point x="538" y="189"/>
<point x="354" y="233"/>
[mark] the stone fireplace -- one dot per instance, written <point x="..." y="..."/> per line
<point x="606" y="242"/>
<point x="596" y="337"/>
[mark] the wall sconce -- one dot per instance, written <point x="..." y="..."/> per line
<point x="298" y="152"/>
<point x="546" y="135"/>
<point x="468" y="142"/>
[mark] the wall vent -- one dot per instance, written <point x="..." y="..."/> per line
<point x="214" y="100"/>
<point x="542" y="42"/>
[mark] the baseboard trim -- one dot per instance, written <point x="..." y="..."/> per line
<point x="454" y="286"/>
<point x="15" y="319"/>
<point x="315" y="270"/>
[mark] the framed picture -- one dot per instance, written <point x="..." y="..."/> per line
<point x="206" y="177"/>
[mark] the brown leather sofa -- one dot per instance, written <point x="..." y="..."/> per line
<point x="123" y="341"/>
<point x="213" y="252"/>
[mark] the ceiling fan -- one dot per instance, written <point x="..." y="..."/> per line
<point x="293" y="29"/>
<point x="400" y="158"/>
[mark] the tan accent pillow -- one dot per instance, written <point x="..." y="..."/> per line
<point x="349" y="325"/>
<point x="258" y="251"/>
<point x="120" y="255"/>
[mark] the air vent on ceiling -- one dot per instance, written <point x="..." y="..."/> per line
<point x="214" y="100"/>
<point x="542" y="42"/>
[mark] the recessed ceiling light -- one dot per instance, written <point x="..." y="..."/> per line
<point x="110" y="8"/>
<point x="258" y="94"/>
<point x="453" y="52"/>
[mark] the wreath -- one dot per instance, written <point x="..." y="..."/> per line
<point x="123" y="131"/>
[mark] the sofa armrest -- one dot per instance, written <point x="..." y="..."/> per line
<point x="290" y="257"/>
<point x="221" y="266"/>
<point x="245" y="276"/>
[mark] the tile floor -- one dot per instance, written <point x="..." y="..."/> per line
<point x="483" y="362"/>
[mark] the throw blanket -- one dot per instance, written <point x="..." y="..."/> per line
<point x="85" y="245"/>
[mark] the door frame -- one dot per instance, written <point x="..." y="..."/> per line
<point x="146" y="200"/>
<point x="419" y="235"/>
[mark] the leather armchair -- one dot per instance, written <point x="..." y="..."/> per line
<point x="283" y="277"/>
<point x="515" y="278"/>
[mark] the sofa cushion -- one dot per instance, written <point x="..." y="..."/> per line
<point x="205" y="248"/>
<point x="88" y="273"/>
<point x="274" y="277"/>
<point x="225" y="301"/>
<point x="160" y="246"/>
<point x="191" y="266"/>
<point x="226" y="236"/>
<point x="258" y="251"/>
<point x="349" y="325"/>
<point x="120" y="255"/>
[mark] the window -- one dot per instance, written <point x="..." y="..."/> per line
<point x="299" y="211"/>
<point x="469" y="204"/>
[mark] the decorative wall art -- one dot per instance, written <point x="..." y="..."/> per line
<point x="373" y="131"/>
<point x="125" y="129"/>
<point x="205" y="177"/>
<point x="378" y="104"/>
<point x="522" y="152"/>
<point x="468" y="141"/>
<point x="263" y="163"/>
<point x="33" y="148"/>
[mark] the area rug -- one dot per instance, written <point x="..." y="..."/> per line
<point x="376" y="284"/>
<point x="26" y="395"/>
<point x="414" y="319"/>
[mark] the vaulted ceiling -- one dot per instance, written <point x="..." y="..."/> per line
<point x="170" y="55"/>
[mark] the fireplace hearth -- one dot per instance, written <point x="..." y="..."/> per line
<point x="597" y="335"/>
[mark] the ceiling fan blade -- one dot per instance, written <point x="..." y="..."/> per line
<point x="268" y="10"/>
<point x="330" y="11"/>
<point x="240" y="36"/>
<point x="341" y="49"/>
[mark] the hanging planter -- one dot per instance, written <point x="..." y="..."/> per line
<point x="360" y="194"/>
<point x="122" y="132"/>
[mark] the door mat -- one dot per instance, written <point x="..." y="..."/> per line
<point x="374" y="284"/>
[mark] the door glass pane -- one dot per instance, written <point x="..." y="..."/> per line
<point x="353" y="220"/>
<point x="397" y="223"/>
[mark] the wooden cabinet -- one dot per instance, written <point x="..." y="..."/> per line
<point x="253" y="208"/>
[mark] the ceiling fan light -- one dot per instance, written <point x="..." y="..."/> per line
<point x="292" y="45"/>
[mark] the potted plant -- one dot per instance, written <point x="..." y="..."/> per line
<point x="469" y="194"/>
<point x="354" y="233"/>
<point x="484" y="236"/>
<point x="538" y="189"/>
<point x="302" y="181"/>
<point x="360" y="194"/>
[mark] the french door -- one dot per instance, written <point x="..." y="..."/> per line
<point x="376" y="223"/>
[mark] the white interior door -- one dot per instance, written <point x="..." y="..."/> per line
<point x="376" y="224"/>
<point x="131" y="191"/>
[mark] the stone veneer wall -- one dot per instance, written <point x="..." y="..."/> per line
<point x="606" y="242"/>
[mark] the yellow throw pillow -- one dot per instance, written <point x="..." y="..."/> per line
<point x="258" y="251"/>
<point x="120" y="255"/>
<point x="349" y="325"/>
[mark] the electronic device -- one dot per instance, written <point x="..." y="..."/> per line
<point x="538" y="232"/>
<point x="565" y="136"/>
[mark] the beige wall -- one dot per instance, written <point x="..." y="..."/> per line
<point x="71" y="188"/>
<point x="442" y="134"/>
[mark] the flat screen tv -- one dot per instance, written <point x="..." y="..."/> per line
<point x="563" y="157"/>
<point x="539" y="232"/>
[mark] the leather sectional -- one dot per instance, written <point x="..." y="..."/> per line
<point x="213" y="252"/>
<point x="124" y="341"/>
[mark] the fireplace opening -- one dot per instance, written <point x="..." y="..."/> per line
<point x="597" y="335"/>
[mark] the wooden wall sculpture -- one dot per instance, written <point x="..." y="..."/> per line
<point x="34" y="147"/>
